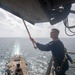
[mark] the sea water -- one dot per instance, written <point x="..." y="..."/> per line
<point x="37" y="60"/>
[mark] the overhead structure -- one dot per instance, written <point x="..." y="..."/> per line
<point x="37" y="11"/>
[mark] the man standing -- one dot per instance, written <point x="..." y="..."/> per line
<point x="57" y="49"/>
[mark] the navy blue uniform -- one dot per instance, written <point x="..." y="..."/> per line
<point x="57" y="49"/>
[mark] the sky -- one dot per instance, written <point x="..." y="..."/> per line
<point x="12" y="26"/>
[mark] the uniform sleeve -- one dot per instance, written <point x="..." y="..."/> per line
<point x="43" y="47"/>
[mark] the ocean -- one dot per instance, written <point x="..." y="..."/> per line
<point x="37" y="60"/>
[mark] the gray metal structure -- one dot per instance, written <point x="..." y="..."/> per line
<point x="37" y="11"/>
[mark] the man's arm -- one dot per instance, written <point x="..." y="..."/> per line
<point x="41" y="46"/>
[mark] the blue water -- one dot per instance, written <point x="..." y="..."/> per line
<point x="37" y="60"/>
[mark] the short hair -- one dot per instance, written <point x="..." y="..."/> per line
<point x="57" y="31"/>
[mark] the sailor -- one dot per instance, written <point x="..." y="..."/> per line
<point x="8" y="71"/>
<point x="57" y="49"/>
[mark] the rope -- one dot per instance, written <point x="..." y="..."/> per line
<point x="28" y="33"/>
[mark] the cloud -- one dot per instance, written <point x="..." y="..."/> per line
<point x="73" y="6"/>
<point x="12" y="26"/>
<point x="3" y="15"/>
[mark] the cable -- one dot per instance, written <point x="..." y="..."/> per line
<point x="65" y="21"/>
<point x="67" y="33"/>
<point x="70" y="30"/>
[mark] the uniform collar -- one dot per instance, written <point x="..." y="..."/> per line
<point x="56" y="40"/>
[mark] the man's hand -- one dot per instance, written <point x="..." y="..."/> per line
<point x="32" y="40"/>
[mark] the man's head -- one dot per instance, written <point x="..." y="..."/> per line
<point x="54" y="33"/>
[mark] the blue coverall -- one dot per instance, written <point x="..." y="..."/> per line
<point x="57" y="49"/>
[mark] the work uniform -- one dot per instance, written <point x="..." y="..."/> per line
<point x="8" y="72"/>
<point x="57" y="49"/>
